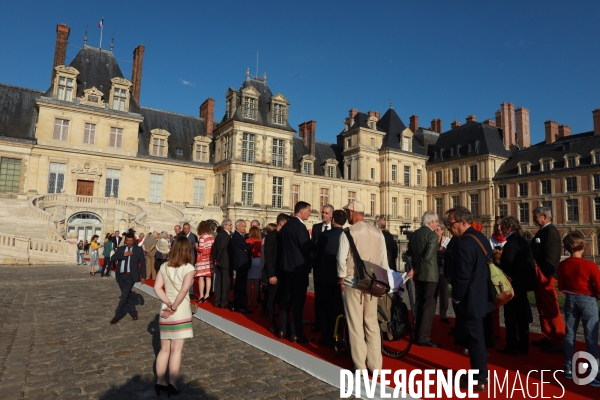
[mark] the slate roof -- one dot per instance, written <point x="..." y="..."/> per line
<point x="423" y="139"/>
<point x="323" y="151"/>
<point x="264" y="112"/>
<point x="183" y="129"/>
<point x="392" y="125"/>
<point x="485" y="139"/>
<point x="582" y="144"/>
<point x="17" y="111"/>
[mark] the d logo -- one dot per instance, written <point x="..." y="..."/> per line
<point x="583" y="367"/>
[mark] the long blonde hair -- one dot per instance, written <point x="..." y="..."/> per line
<point x="181" y="252"/>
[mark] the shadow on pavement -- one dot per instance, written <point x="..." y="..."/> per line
<point x="140" y="388"/>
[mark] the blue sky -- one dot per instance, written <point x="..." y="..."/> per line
<point x="435" y="59"/>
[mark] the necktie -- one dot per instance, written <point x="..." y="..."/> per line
<point x="125" y="265"/>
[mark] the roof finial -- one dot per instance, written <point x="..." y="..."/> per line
<point x="85" y="36"/>
<point x="265" y="77"/>
<point x="112" y="42"/>
<point x="391" y="103"/>
<point x="248" y="73"/>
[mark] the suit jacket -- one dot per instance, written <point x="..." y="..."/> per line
<point x="240" y="252"/>
<point x="392" y="249"/>
<point x="470" y="275"/>
<point x="517" y="262"/>
<point x="424" y="247"/>
<point x="327" y="246"/>
<point x="137" y="262"/>
<point x="193" y="241"/>
<point x="220" y="249"/>
<point x="117" y="240"/>
<point x="317" y="229"/>
<point x="272" y="252"/>
<point x="296" y="247"/>
<point x="546" y="248"/>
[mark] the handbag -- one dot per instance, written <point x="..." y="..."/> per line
<point x="500" y="290"/>
<point x="371" y="279"/>
<point x="193" y="306"/>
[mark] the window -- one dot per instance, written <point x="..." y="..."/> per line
<point x="471" y="146"/>
<point x="373" y="204"/>
<point x="89" y="133"/>
<point x="438" y="178"/>
<point x="61" y="129"/>
<point x="394" y="207"/>
<point x="65" y="88"/>
<point x="277" y="196"/>
<point x="439" y="206"/>
<point x="156" y="181"/>
<point x="224" y="184"/>
<point x="372" y="142"/>
<point x="199" y="190"/>
<point x="201" y="153"/>
<point x="324" y="197"/>
<point x="226" y="147"/>
<point x="278" y="115"/>
<point x="56" y="179"/>
<point x="348" y="143"/>
<point x="503" y="210"/>
<point x="405" y="143"/>
<point x="277" y="160"/>
<point x="249" y="108"/>
<point x="372" y="173"/>
<point x="351" y="197"/>
<point x="119" y="99"/>
<point x="455" y="201"/>
<point x="546" y="186"/>
<point x="10" y="175"/>
<point x="571" y="184"/>
<point x="572" y="210"/>
<point x="502" y="191"/>
<point x="113" y="177"/>
<point x="596" y="181"/>
<point x="524" y="213"/>
<point x="179" y="151"/>
<point x="523" y="189"/>
<point x="394" y="172"/>
<point x="407" y="213"/>
<point x="570" y="161"/>
<point x="419" y="207"/>
<point x="248" y="147"/>
<point x="159" y="146"/>
<point x="307" y="168"/>
<point x="116" y="137"/>
<point x="546" y="166"/>
<point x="295" y="195"/>
<point x="597" y="208"/>
<point x="455" y="176"/>
<point x="547" y="204"/>
<point x="349" y="171"/>
<point x="475" y="204"/>
<point x="331" y="171"/>
<point x="473" y="173"/>
<point x="247" y="189"/>
<point x="597" y="157"/>
<point x="452" y="151"/>
<point x="523" y="169"/>
<point x="418" y="177"/>
<point x="406" y="176"/>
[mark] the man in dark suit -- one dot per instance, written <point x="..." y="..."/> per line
<point x="317" y="229"/>
<point x="390" y="244"/>
<point x="131" y="268"/>
<point x="272" y="256"/>
<point x="191" y="236"/>
<point x="221" y="256"/>
<point x="116" y="239"/>
<point x="469" y="279"/>
<point x="296" y="261"/>
<point x="239" y="259"/>
<point x="546" y="248"/>
<point x="325" y="276"/>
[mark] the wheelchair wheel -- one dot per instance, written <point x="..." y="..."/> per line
<point x="397" y="348"/>
<point x="342" y="338"/>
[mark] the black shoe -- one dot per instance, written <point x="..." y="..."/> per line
<point x="300" y="339"/>
<point x="244" y="311"/>
<point x="282" y="335"/>
<point x="173" y="390"/>
<point x="158" y="388"/>
<point x="429" y="344"/>
<point x="552" y="348"/>
<point x="445" y="320"/>
<point x="507" y="350"/>
<point x="466" y="352"/>
<point x="274" y="330"/>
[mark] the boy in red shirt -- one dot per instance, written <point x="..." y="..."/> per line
<point x="579" y="280"/>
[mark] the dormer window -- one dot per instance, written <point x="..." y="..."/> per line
<point x="179" y="151"/>
<point x="471" y="147"/>
<point x="307" y="168"/>
<point x="65" y="88"/>
<point x="523" y="168"/>
<point x="596" y="157"/>
<point x="65" y="83"/>
<point x="307" y="164"/>
<point x="405" y="143"/>
<point x="453" y="151"/>
<point x="119" y="99"/>
<point x="250" y="101"/>
<point x="231" y="103"/>
<point x="159" y="142"/>
<point x="571" y="160"/>
<point x="92" y="97"/>
<point x="201" y="149"/>
<point x="279" y="109"/>
<point x="119" y="94"/>
<point x="546" y="164"/>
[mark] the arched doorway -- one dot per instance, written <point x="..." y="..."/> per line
<point x="84" y="225"/>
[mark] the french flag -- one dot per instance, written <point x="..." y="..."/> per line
<point x="101" y="23"/>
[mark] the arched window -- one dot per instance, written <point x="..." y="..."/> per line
<point x="84" y="225"/>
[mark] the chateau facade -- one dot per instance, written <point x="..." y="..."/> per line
<point x="88" y="135"/>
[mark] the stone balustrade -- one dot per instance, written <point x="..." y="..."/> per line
<point x="16" y="249"/>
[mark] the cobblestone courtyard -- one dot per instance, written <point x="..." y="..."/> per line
<point x="56" y="342"/>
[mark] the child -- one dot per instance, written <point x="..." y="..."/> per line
<point x="579" y="280"/>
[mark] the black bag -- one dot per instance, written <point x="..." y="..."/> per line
<point x="371" y="279"/>
<point x="393" y="317"/>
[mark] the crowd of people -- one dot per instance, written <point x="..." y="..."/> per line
<point x="271" y="267"/>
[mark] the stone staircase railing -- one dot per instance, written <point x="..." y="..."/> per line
<point x="23" y="250"/>
<point x="34" y="211"/>
<point x="178" y="210"/>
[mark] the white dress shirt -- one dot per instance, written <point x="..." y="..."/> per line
<point x="126" y="262"/>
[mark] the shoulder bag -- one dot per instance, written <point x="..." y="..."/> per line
<point x="193" y="306"/>
<point x="371" y="279"/>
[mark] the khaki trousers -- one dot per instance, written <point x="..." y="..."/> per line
<point x="150" y="271"/>
<point x="361" y="317"/>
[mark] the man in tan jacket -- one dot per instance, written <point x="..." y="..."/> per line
<point x="361" y="308"/>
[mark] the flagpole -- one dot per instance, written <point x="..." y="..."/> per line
<point x="101" y="29"/>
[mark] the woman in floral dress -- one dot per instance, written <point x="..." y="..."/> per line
<point x="205" y="266"/>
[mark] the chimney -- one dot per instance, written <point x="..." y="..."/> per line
<point x="60" y="49"/>
<point x="207" y="113"/>
<point x="511" y="122"/>
<point x="499" y="119"/>
<point x="490" y="122"/>
<point x="302" y="132"/>
<point x="377" y="115"/>
<point x="507" y="111"/>
<point x="308" y="133"/>
<point x="551" y="131"/>
<point x="414" y="123"/>
<point x="374" y="114"/>
<point x="596" y="114"/>
<point x="136" y="72"/>
<point x="523" y="130"/>
<point x="455" y="124"/>
<point x="564" y="131"/>
<point x="438" y="125"/>
<point x="471" y="118"/>
<point x="353" y="112"/>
